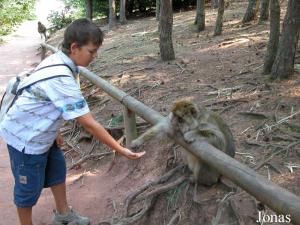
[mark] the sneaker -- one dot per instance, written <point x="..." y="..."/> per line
<point x="70" y="217"/>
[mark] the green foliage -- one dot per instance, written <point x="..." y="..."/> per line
<point x="116" y="121"/>
<point x="78" y="5"/>
<point x="185" y="4"/>
<point x="100" y="7"/>
<point x="144" y="5"/>
<point x="13" y="12"/>
<point x="61" y="19"/>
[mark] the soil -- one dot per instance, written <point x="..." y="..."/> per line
<point x="221" y="73"/>
<point x="17" y="53"/>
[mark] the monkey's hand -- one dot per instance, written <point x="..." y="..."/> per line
<point x="135" y="144"/>
<point x="190" y="136"/>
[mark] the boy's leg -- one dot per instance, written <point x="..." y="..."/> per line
<point x="55" y="179"/>
<point x="60" y="197"/>
<point x="28" y="171"/>
<point x="56" y="171"/>
<point x="25" y="216"/>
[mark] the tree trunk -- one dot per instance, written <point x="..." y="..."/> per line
<point x="89" y="9"/>
<point x="264" y="10"/>
<point x="123" y="11"/>
<point x="283" y="66"/>
<point x="112" y="13"/>
<point x="130" y="6"/>
<point x="166" y="25"/>
<point x="274" y="36"/>
<point x="250" y="12"/>
<point x="200" y="15"/>
<point x="219" y="21"/>
<point x="157" y="9"/>
<point x="215" y="4"/>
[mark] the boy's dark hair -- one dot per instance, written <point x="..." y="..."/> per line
<point x="81" y="31"/>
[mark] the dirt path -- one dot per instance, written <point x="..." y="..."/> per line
<point x="16" y="54"/>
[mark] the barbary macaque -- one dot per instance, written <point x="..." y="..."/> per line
<point x="42" y="30"/>
<point x="194" y="125"/>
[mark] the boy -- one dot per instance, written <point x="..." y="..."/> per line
<point x="31" y="126"/>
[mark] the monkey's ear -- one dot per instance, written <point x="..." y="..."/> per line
<point x="194" y="112"/>
<point x="173" y="119"/>
<point x="180" y="120"/>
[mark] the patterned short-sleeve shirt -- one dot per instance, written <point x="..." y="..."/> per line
<point x="33" y="122"/>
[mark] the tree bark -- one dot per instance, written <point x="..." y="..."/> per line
<point x="264" y="10"/>
<point x="166" y="25"/>
<point x="283" y="66"/>
<point x="129" y="6"/>
<point x="215" y="4"/>
<point x="250" y="12"/>
<point x="200" y="15"/>
<point x="89" y="9"/>
<point x="274" y="36"/>
<point x="123" y="12"/>
<point x="112" y="13"/>
<point x="129" y="125"/>
<point x="157" y="9"/>
<point x="219" y="21"/>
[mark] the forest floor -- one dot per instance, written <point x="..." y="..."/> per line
<point x="221" y="73"/>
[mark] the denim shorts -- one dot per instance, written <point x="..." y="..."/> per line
<point x="34" y="172"/>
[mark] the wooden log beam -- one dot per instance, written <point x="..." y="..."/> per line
<point x="130" y="126"/>
<point x="278" y="199"/>
<point x="43" y="52"/>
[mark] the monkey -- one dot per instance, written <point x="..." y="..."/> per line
<point x="194" y="125"/>
<point x="42" y="30"/>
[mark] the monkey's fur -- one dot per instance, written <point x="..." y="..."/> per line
<point x="42" y="29"/>
<point x="194" y="125"/>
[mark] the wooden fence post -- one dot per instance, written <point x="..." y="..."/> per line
<point x="130" y="125"/>
<point x="43" y="52"/>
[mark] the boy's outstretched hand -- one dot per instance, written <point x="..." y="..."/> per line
<point x="98" y="131"/>
<point x="132" y="155"/>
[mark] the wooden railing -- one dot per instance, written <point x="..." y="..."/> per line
<point x="278" y="199"/>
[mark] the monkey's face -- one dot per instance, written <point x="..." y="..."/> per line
<point x="184" y="116"/>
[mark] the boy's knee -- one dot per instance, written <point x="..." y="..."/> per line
<point x="28" y="186"/>
<point x="29" y="175"/>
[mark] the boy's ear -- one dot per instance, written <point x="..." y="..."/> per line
<point x="73" y="47"/>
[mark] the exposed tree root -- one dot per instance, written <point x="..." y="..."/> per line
<point x="175" y="218"/>
<point x="131" y="219"/>
<point x="143" y="188"/>
<point x="88" y="157"/>
<point x="161" y="189"/>
<point x="148" y="194"/>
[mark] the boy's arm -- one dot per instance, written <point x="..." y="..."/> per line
<point x="59" y="140"/>
<point x="98" y="131"/>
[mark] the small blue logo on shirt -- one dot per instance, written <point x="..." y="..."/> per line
<point x="71" y="107"/>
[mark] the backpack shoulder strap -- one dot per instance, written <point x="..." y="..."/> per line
<point x="45" y="73"/>
<point x="53" y="65"/>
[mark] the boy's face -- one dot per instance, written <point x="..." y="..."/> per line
<point x="84" y="55"/>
